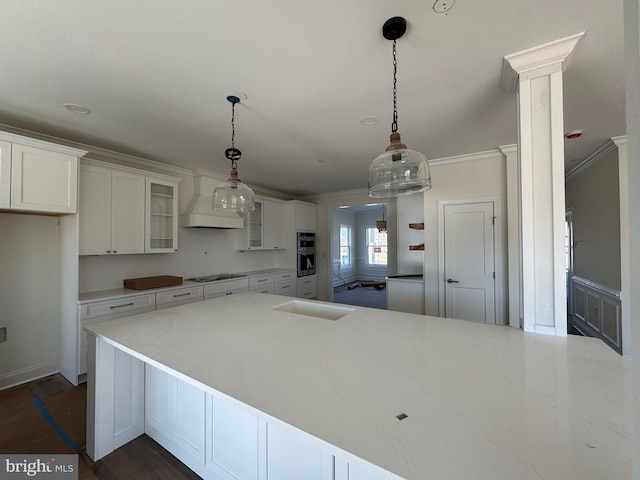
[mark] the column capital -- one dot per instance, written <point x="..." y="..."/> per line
<point x="537" y="61"/>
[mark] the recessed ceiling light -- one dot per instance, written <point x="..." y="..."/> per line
<point x="79" y="109"/>
<point x="369" y="120"/>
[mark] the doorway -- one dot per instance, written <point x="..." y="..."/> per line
<point x="359" y="255"/>
<point x="470" y="248"/>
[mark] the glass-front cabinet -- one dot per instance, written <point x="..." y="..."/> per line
<point x="161" y="232"/>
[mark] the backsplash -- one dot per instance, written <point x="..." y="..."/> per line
<point x="200" y="252"/>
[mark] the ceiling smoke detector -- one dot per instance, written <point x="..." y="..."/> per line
<point x="574" y="134"/>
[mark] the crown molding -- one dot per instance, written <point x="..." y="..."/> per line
<point x="600" y="152"/>
<point x="537" y="61"/>
<point x="468" y="157"/>
<point x="619" y="141"/>
<point x="507" y="149"/>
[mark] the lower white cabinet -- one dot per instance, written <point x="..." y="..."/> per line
<point x="178" y="296"/>
<point x="289" y="456"/>
<point x="102" y="311"/>
<point x="236" y="441"/>
<point x="405" y="295"/>
<point x="228" y="287"/>
<point x="175" y="415"/>
<point x="285" y="283"/>
<point x="306" y="287"/>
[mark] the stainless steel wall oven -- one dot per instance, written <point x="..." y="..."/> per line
<point x="306" y="253"/>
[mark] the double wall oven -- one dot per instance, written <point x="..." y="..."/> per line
<point x="306" y="253"/>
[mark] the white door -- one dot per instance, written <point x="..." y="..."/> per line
<point x="469" y="267"/>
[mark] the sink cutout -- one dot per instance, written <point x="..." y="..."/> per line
<point x="318" y="310"/>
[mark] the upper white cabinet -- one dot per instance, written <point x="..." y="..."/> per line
<point x="275" y="225"/>
<point x="265" y="227"/>
<point x="38" y="176"/>
<point x="161" y="228"/>
<point x="301" y="217"/>
<point x="125" y="211"/>
<point x="111" y="211"/>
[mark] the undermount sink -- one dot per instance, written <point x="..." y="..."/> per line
<point x="310" y="309"/>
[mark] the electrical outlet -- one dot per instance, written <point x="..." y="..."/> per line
<point x="3" y="334"/>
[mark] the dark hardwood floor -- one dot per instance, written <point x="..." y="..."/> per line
<point x="361" y="296"/>
<point x="25" y="430"/>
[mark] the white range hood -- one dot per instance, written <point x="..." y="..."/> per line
<point x="200" y="213"/>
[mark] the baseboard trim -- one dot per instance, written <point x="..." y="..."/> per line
<point x="27" y="375"/>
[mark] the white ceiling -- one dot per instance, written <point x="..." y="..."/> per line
<point x="156" y="73"/>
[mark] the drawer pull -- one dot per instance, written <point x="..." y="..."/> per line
<point x="181" y="295"/>
<point x="123" y="305"/>
<point x="263" y="280"/>
<point x="285" y="286"/>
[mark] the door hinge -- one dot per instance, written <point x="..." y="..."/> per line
<point x="494" y="275"/>
<point x="493" y="220"/>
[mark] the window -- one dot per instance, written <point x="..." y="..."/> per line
<point x="345" y="245"/>
<point x="376" y="247"/>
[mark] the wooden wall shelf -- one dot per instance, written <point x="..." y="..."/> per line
<point x="417" y="226"/>
<point x="416" y="247"/>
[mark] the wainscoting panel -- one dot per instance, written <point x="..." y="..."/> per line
<point x="596" y="311"/>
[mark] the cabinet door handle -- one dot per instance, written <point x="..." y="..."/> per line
<point x="123" y="305"/>
<point x="181" y="295"/>
<point x="449" y="280"/>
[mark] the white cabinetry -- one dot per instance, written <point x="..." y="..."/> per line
<point x="38" y="176"/>
<point x="125" y="211"/>
<point x="161" y="216"/>
<point x="289" y="456"/>
<point x="261" y="283"/>
<point x="406" y="294"/>
<point x="226" y="287"/>
<point x="175" y="415"/>
<point x="178" y="296"/>
<point x="302" y="216"/>
<point x="213" y="434"/>
<point x="102" y="311"/>
<point x="306" y="287"/>
<point x="274" y="226"/>
<point x="111" y="211"/>
<point x="285" y="283"/>
<point x="265" y="227"/>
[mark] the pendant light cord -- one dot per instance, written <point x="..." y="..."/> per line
<point x="234" y="165"/>
<point x="394" y="125"/>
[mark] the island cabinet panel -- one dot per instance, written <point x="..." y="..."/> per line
<point x="175" y="415"/>
<point x="290" y="456"/>
<point x="236" y="441"/>
<point x="349" y="471"/>
<point x="115" y="398"/>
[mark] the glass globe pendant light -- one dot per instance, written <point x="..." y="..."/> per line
<point x="399" y="170"/>
<point x="233" y="195"/>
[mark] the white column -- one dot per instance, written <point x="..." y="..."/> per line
<point x="632" y="272"/>
<point x="513" y="234"/>
<point x="537" y="74"/>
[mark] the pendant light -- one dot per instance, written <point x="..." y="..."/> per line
<point x="233" y="195"/>
<point x="381" y="225"/>
<point x="399" y="170"/>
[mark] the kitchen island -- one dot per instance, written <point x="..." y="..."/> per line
<point x="239" y="389"/>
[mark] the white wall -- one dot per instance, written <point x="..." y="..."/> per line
<point x="410" y="209"/>
<point x="480" y="175"/>
<point x="201" y="251"/>
<point x="29" y="297"/>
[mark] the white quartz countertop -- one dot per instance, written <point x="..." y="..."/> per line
<point x="482" y="401"/>
<point x="110" y="294"/>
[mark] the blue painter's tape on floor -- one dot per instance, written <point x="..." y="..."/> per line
<point x="47" y="416"/>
